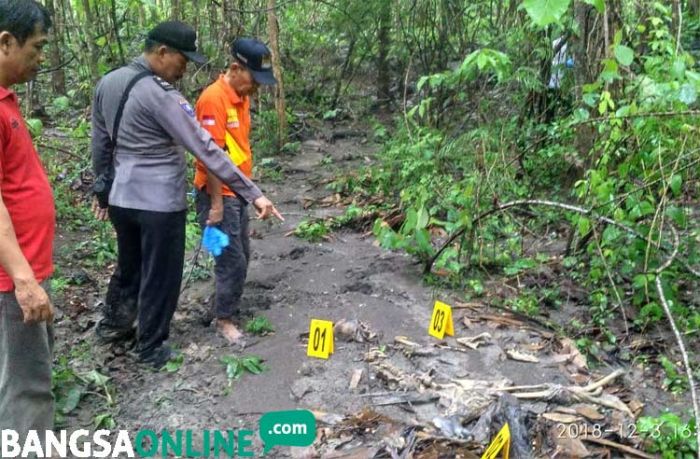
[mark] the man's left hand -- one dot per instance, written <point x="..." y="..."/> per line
<point x="100" y="213"/>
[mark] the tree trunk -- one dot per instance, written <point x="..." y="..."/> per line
<point x="227" y="17"/>
<point x="240" y="25"/>
<point x="384" y="39"/>
<point x="213" y="14"/>
<point x="176" y="11"/>
<point x="115" y="28"/>
<point x="89" y="26"/>
<point x="58" y="80"/>
<point x="142" y="16"/>
<point x="345" y="71"/>
<point x="694" y="8"/>
<point x="280" y="106"/>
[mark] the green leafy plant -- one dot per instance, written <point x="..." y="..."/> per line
<point x="674" y="381"/>
<point x="312" y="230"/>
<point x="104" y="421"/>
<point x="71" y="385"/>
<point x="259" y="326"/>
<point x="60" y="105"/>
<point x="59" y="284"/>
<point x="236" y="366"/>
<point x="526" y="303"/>
<point x="174" y="364"/>
<point x="669" y="436"/>
<point x="35" y="127"/>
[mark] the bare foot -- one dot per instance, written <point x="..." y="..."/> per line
<point x="229" y="331"/>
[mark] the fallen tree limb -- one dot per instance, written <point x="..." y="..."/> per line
<point x="639" y="115"/>
<point x="571" y="394"/>
<point x="559" y="205"/>
<point x="589" y="388"/>
<point x="679" y="338"/>
<point x="602" y="382"/>
<point x="413" y="398"/>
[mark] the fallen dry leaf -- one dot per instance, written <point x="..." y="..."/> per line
<point x="636" y="406"/>
<point x="561" y="418"/>
<point x="355" y="378"/>
<point x="533" y="347"/>
<point x="567" y="446"/>
<point x="565" y="410"/>
<point x="580" y="379"/>
<point x="569" y="347"/>
<point x="521" y="356"/>
<point x="589" y="412"/>
<point x="473" y="342"/>
<point x="405" y="341"/>
<point x="327" y="418"/>
<point x="360" y="452"/>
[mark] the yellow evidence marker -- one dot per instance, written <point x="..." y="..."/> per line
<point x="500" y="443"/>
<point x="441" y="321"/>
<point x="320" y="339"/>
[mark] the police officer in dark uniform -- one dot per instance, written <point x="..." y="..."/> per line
<point x="141" y="126"/>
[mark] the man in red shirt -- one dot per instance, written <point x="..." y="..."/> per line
<point x="27" y="222"/>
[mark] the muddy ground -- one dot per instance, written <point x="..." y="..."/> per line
<point x="417" y="382"/>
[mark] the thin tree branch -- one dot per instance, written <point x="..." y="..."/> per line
<point x="58" y="67"/>
<point x="405" y="97"/>
<point x="678" y="33"/>
<point x="679" y="338"/>
<point x="638" y="115"/>
<point x="608" y="273"/>
<point x="62" y="150"/>
<point x="538" y="202"/>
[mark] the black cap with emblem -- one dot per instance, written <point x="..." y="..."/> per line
<point x="179" y="36"/>
<point x="256" y="57"/>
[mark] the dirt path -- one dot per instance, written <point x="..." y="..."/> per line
<point x="292" y="281"/>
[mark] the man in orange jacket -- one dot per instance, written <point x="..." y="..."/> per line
<point x="224" y="110"/>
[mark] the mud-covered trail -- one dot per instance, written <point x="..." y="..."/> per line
<point x="426" y="388"/>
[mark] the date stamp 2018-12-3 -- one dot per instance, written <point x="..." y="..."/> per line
<point x="596" y="431"/>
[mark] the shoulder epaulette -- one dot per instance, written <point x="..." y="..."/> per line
<point x="163" y="84"/>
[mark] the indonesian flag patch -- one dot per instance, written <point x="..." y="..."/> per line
<point x="208" y="121"/>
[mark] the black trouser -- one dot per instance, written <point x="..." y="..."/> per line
<point x="146" y="283"/>
<point x="232" y="265"/>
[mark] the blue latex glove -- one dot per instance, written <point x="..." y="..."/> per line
<point x="214" y="240"/>
<point x="570" y="63"/>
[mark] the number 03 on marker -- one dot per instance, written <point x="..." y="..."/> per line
<point x="320" y="339"/>
<point x="441" y="321"/>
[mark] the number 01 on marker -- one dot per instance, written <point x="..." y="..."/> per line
<point x="441" y="321"/>
<point x="320" y="339"/>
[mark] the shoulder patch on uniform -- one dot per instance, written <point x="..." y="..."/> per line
<point x="162" y="83"/>
<point x="186" y="107"/>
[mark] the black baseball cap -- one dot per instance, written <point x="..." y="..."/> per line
<point x="256" y="57"/>
<point x="179" y="36"/>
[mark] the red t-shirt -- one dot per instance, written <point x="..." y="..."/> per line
<point x="25" y="192"/>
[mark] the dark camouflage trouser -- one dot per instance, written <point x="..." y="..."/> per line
<point x="232" y="265"/>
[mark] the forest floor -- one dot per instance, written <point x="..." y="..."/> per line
<point x="377" y="395"/>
